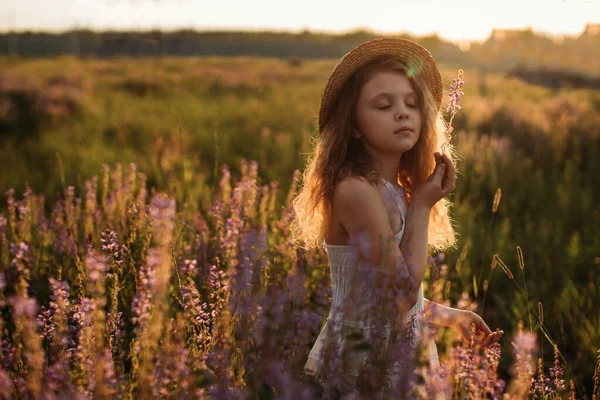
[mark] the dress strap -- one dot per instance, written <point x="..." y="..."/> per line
<point x="396" y="196"/>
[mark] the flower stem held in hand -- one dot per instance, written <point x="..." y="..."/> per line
<point x="462" y="322"/>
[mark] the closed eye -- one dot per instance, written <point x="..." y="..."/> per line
<point x="386" y="107"/>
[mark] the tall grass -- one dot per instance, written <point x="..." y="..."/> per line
<point x="142" y="299"/>
<point x="539" y="147"/>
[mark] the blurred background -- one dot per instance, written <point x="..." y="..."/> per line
<point x="181" y="87"/>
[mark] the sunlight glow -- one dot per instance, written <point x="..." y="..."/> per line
<point x="459" y="20"/>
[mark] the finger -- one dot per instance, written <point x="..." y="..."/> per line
<point x="434" y="175"/>
<point x="440" y="169"/>
<point x="493" y="338"/>
<point x="449" y="180"/>
<point x="446" y="159"/>
<point x="488" y="340"/>
<point x="438" y="176"/>
<point x="451" y="168"/>
<point x="438" y="157"/>
<point x="484" y="328"/>
<point x="483" y="337"/>
<point x="479" y="339"/>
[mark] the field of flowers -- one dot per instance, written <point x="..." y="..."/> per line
<point x="175" y="275"/>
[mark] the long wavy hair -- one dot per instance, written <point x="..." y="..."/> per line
<point x="336" y="155"/>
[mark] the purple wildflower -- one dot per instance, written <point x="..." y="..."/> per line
<point x="7" y="351"/>
<point x="218" y="286"/>
<point x="556" y="372"/>
<point x="196" y="313"/>
<point x="456" y="91"/>
<point x="22" y="261"/>
<point x="542" y="384"/>
<point x="110" y="245"/>
<point x="141" y="304"/>
<point x="3" y="223"/>
<point x="524" y="347"/>
<point x="216" y="214"/>
<point x="23" y="306"/>
<point x="172" y="376"/>
<point x="225" y="184"/>
<point x="233" y="226"/>
<point x="96" y="266"/>
<point x="493" y="386"/>
<point x="115" y="333"/>
<point x="56" y="315"/>
<point x="106" y="385"/>
<point x="29" y="355"/>
<point x="6" y="384"/>
<point x="189" y="267"/>
<point x="87" y="358"/>
<point x="162" y="211"/>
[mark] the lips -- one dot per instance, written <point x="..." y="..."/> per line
<point x="403" y="129"/>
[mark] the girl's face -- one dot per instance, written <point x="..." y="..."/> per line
<point x="388" y="114"/>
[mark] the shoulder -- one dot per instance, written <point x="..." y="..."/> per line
<point x="354" y="189"/>
<point x="358" y="204"/>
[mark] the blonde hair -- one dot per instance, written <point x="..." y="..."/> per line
<point x="336" y="155"/>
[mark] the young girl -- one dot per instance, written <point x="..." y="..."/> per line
<point x="376" y="174"/>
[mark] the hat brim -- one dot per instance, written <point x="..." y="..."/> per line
<point x="418" y="60"/>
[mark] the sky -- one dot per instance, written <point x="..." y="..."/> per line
<point x="455" y="20"/>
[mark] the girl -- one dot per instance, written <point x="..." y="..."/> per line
<point x="376" y="175"/>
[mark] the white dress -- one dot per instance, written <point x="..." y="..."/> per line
<point x="343" y="266"/>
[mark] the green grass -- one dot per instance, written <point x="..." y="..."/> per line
<point x="180" y="119"/>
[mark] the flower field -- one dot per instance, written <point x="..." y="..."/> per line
<point x="145" y="250"/>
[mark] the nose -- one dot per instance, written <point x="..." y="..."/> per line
<point x="401" y="114"/>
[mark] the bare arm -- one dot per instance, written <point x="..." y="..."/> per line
<point x="439" y="314"/>
<point x="359" y="207"/>
<point x="460" y="321"/>
<point x="415" y="241"/>
<point x="361" y="211"/>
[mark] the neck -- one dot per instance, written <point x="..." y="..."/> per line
<point x="388" y="167"/>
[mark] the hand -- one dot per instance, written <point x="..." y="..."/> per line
<point x="461" y="323"/>
<point x="439" y="184"/>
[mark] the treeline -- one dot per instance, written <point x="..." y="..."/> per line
<point x="503" y="51"/>
<point x="191" y="43"/>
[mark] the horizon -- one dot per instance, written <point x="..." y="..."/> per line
<point x="280" y="31"/>
<point x="554" y="18"/>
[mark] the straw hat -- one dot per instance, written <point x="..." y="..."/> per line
<point x="415" y="56"/>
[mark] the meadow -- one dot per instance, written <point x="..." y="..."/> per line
<point x="144" y="243"/>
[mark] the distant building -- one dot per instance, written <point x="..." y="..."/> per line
<point x="592" y="30"/>
<point x="501" y="35"/>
